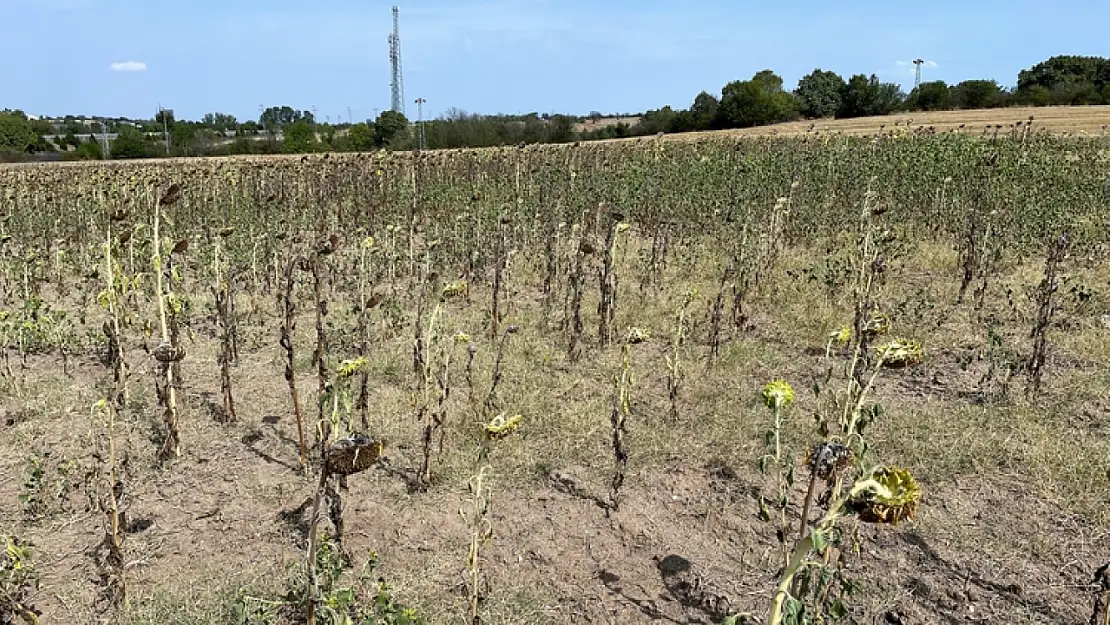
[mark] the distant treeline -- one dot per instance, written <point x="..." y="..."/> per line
<point x="1061" y="80"/>
<point x="762" y="100"/>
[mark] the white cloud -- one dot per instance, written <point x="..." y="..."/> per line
<point x="128" y="66"/>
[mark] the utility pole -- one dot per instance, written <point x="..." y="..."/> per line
<point x="165" y="127"/>
<point x="420" y="122"/>
<point x="104" y="135"/>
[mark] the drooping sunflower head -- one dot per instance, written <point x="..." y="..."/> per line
<point x="901" y="353"/>
<point x="353" y="454"/>
<point x="778" y="394"/>
<point x="637" y="335"/>
<point x="350" y="367"/>
<point x="841" y="336"/>
<point x="877" y="324"/>
<point x="895" y="498"/>
<point x="454" y="289"/>
<point x="501" y="426"/>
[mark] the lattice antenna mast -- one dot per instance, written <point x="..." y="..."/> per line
<point x="398" y="82"/>
<point x="917" y="74"/>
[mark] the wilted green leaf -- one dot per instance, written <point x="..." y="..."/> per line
<point x="820" y="543"/>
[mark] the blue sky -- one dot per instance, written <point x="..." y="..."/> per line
<point x="489" y="56"/>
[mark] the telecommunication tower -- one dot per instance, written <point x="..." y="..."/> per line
<point x="917" y="75"/>
<point x="398" y="83"/>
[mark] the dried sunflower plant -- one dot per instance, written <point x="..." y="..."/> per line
<point x="341" y="458"/>
<point x="169" y="351"/>
<point x="809" y="589"/>
<point x="623" y="384"/>
<point x="288" y="329"/>
<point x="812" y="586"/>
<point x="675" y="370"/>
<point x="223" y="298"/>
<point x="112" y="501"/>
<point x="476" y="511"/>
<point x="778" y="396"/>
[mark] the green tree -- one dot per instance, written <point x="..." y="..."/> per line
<point x="977" y="94"/>
<point x="277" y="116"/>
<point x="684" y="121"/>
<point x="130" y="142"/>
<point x="183" y="137"/>
<point x="929" y="96"/>
<point x="818" y="94"/>
<point x="704" y="110"/>
<point x="863" y="96"/>
<point x="1037" y="95"/>
<point x="219" y="121"/>
<point x="1062" y="71"/>
<point x="16" y="133"/>
<point x="299" y="137"/>
<point x="89" y="151"/>
<point x="561" y="129"/>
<point x="656" y="121"/>
<point x="42" y="127"/>
<point x="390" y="129"/>
<point x="360" y="137"/>
<point x="769" y="80"/>
<point x="1077" y="94"/>
<point x="756" y="102"/>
